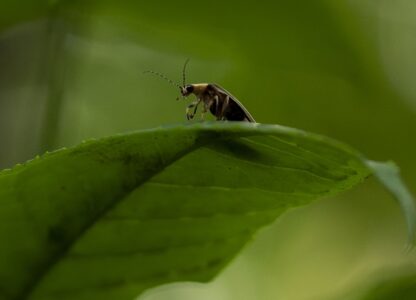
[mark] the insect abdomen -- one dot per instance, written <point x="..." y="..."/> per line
<point x="235" y="113"/>
<point x="233" y="110"/>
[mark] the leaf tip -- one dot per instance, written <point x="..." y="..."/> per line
<point x="388" y="173"/>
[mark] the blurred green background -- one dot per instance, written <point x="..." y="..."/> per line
<point x="72" y="70"/>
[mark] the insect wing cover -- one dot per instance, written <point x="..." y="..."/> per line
<point x="220" y="89"/>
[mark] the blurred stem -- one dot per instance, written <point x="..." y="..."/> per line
<point x="55" y="65"/>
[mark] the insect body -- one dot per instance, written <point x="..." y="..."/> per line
<point x="215" y="99"/>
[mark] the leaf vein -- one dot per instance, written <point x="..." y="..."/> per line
<point x="274" y="166"/>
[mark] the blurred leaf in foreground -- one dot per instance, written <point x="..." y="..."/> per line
<point x="113" y="217"/>
<point x="399" y="288"/>
<point x="391" y="283"/>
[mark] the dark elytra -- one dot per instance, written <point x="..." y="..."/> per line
<point x="233" y="112"/>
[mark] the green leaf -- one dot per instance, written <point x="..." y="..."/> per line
<point x="388" y="174"/>
<point x="403" y="287"/>
<point x="388" y="283"/>
<point x="112" y="217"/>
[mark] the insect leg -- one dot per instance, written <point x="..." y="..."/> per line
<point x="218" y="113"/>
<point x="207" y="105"/>
<point x="196" y="107"/>
<point x="189" y="114"/>
<point x="223" y="108"/>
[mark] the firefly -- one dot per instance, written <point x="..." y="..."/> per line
<point x="215" y="99"/>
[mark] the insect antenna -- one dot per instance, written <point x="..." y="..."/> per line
<point x="163" y="77"/>
<point x="183" y="72"/>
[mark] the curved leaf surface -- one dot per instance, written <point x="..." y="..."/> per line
<point x="400" y="287"/>
<point x="112" y="217"/>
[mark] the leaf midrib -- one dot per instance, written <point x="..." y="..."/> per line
<point x="28" y="291"/>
